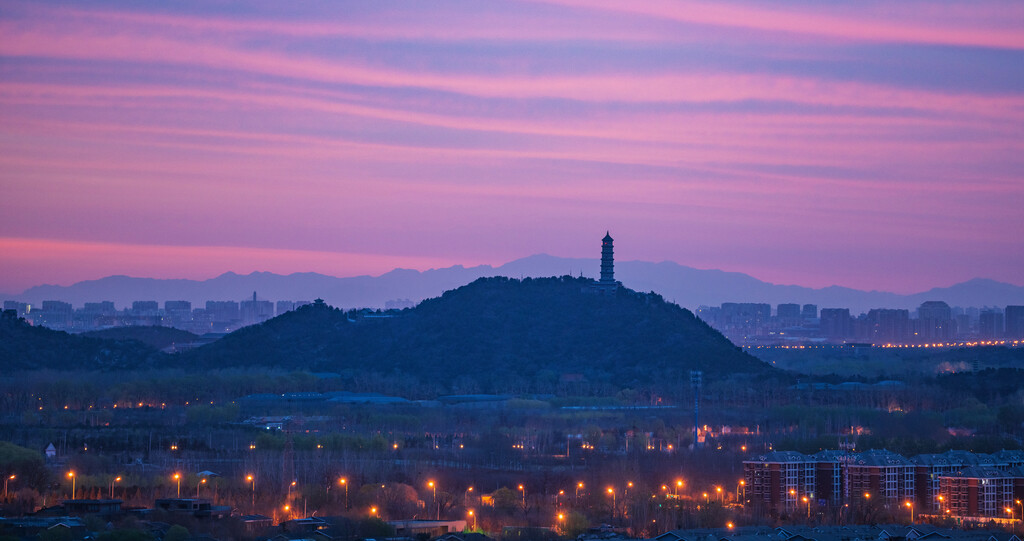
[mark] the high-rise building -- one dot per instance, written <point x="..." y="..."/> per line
<point x="788" y="311"/>
<point x="222" y="311"/>
<point x="255" y="311"/>
<point x="284" y="306"/>
<point x="836" y="323"/>
<point x="990" y="324"/>
<point x="809" y="311"/>
<point x="888" y="326"/>
<point x="934" y="322"/>
<point x="1014" y="318"/>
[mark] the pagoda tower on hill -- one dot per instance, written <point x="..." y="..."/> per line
<point x="607" y="282"/>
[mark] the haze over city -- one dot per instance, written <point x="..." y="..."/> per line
<point x="870" y="145"/>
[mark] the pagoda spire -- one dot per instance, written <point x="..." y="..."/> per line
<point x="607" y="260"/>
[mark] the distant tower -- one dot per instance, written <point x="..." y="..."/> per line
<point x="607" y="261"/>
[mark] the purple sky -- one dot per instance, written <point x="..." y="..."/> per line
<point x="877" y="145"/>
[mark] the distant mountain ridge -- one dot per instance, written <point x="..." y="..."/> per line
<point x="683" y="285"/>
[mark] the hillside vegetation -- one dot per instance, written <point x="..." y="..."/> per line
<point x="495" y="330"/>
<point x="24" y="347"/>
<point x="156" y="337"/>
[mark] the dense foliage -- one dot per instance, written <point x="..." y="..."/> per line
<point x="24" y="347"/>
<point x="156" y="337"/>
<point x="495" y="329"/>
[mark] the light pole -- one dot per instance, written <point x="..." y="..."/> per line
<point x="472" y="514"/>
<point x="200" y="483"/>
<point x="344" y="483"/>
<point x="112" y="481"/>
<point x="612" y="492"/>
<point x="10" y="478"/>
<point x="71" y="474"/>
<point x="808" y="502"/>
<point x="433" y="487"/>
<point x="177" y="477"/>
<point x="523" y="490"/>
<point x="252" y="480"/>
<point x="911" y="506"/>
<point x="292" y="485"/>
<point x="743" y="500"/>
<point x="721" y="496"/>
<point x="679" y="485"/>
<point x="578" y="487"/>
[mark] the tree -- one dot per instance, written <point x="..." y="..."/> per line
<point x="176" y="533"/>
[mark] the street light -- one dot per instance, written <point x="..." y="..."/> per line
<point x="743" y="483"/>
<point x="71" y="474"/>
<point x="679" y="485"/>
<point x="721" y="496"/>
<point x="177" y="477"/>
<point x="201" y="482"/>
<point x="578" y="487"/>
<point x="290" y="488"/>
<point x="472" y="514"/>
<point x="808" y="502"/>
<point x="112" y="481"/>
<point x="612" y="492"/>
<point x="434" y="488"/>
<point x="344" y="483"/>
<point x="252" y="480"/>
<point x="911" y="506"/>
<point x="11" y="478"/>
<point x="523" y="490"/>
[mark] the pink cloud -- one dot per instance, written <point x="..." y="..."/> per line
<point x="922" y="22"/>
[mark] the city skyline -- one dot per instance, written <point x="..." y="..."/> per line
<point x="865" y="145"/>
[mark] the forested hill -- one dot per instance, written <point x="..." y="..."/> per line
<point x="492" y="330"/>
<point x="156" y="337"/>
<point x="24" y="347"/>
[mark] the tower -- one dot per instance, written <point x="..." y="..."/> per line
<point x="607" y="261"/>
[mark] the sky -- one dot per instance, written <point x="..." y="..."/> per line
<point x="875" y="145"/>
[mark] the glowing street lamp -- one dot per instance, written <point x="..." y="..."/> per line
<point x="112" y="481"/>
<point x="523" y="490"/>
<point x="344" y="482"/>
<point x="199" y="484"/>
<point x="806" y="500"/>
<point x="10" y="478"/>
<point x="679" y="486"/>
<point x="177" y="477"/>
<point x="911" y="506"/>
<point x="373" y="511"/>
<point x="71" y="475"/>
<point x="578" y="487"/>
<point x="472" y="514"/>
<point x="252" y="480"/>
<point x="433" y="487"/>
<point x="612" y="492"/>
<point x="720" y="495"/>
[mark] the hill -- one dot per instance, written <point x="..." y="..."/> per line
<point x="24" y="347"/>
<point x="684" y="285"/>
<point x="485" y="336"/>
<point x="154" y="337"/>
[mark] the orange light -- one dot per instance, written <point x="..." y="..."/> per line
<point x="71" y="474"/>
